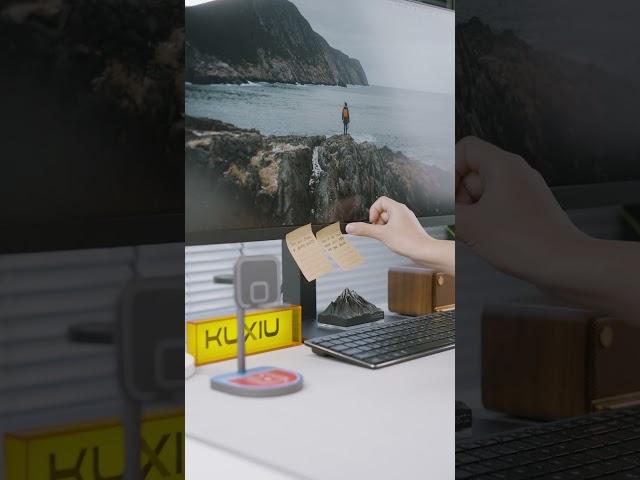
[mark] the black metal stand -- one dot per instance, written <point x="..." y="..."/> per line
<point x="105" y="333"/>
<point x="296" y="289"/>
<point x="132" y="421"/>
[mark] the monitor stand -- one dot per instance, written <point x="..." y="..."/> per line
<point x="296" y="290"/>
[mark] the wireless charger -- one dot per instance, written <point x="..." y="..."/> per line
<point x="256" y="284"/>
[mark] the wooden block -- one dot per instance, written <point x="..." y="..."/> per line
<point x="415" y="290"/>
<point x="548" y="363"/>
<point x="444" y="291"/>
<point x="534" y="361"/>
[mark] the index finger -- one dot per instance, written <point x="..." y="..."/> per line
<point x="382" y="204"/>
<point x="475" y="155"/>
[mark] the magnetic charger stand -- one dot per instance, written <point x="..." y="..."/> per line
<point x="256" y="284"/>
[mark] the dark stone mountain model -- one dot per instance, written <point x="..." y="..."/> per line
<point x="240" y="178"/>
<point x="236" y="41"/>
<point x="349" y="310"/>
<point x="566" y="118"/>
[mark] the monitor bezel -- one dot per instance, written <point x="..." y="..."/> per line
<point x="213" y="237"/>
<point x="593" y="195"/>
<point x="570" y="197"/>
<point x="92" y="233"/>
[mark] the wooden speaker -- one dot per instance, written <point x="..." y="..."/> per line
<point x="548" y="363"/>
<point x="415" y="290"/>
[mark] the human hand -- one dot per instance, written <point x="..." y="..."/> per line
<point x="506" y="213"/>
<point x="397" y="227"/>
<point x="394" y="225"/>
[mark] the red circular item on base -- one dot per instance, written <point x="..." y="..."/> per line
<point x="266" y="378"/>
<point x="258" y="382"/>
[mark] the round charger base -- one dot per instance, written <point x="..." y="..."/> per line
<point x="258" y="382"/>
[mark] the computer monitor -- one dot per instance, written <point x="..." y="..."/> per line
<point x="558" y="86"/>
<point x="92" y="138"/>
<point x="301" y="111"/>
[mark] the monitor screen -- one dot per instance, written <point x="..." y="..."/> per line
<point x="554" y="84"/>
<point x="300" y="111"/>
<point x="92" y="126"/>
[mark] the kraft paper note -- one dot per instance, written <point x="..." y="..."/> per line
<point x="308" y="253"/>
<point x="337" y="246"/>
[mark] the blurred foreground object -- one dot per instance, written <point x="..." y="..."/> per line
<point x="548" y="363"/>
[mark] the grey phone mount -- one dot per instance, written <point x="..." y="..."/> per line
<point x="256" y="285"/>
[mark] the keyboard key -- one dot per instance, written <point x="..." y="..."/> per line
<point x="340" y="348"/>
<point x="603" y="445"/>
<point x="465" y="458"/>
<point x="352" y="351"/>
<point x="463" y="474"/>
<point x="392" y="341"/>
<point x="495" y="465"/>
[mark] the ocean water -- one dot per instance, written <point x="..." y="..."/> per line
<point x="419" y="124"/>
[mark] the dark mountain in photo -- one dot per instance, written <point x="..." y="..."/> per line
<point x="235" y="41"/>
<point x="239" y="178"/>
<point x="565" y="117"/>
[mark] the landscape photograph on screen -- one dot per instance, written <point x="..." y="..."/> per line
<point x="266" y="85"/>
<point x="552" y="83"/>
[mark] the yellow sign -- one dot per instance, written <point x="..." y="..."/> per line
<point x="215" y="339"/>
<point x="96" y="451"/>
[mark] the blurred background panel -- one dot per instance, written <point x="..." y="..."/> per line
<point x="92" y="194"/>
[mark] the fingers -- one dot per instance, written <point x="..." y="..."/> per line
<point x="475" y="155"/>
<point x="470" y="189"/>
<point x="374" y="214"/>
<point x="363" y="229"/>
<point x="381" y="206"/>
<point x="381" y="218"/>
<point x="462" y="196"/>
<point x="462" y="164"/>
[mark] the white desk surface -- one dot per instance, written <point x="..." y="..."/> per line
<point x="203" y="460"/>
<point x="347" y="422"/>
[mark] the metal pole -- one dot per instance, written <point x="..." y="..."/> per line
<point x="240" y="319"/>
<point x="132" y="414"/>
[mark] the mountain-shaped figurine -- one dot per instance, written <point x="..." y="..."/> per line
<point x="349" y="310"/>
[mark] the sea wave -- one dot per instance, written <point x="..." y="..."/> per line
<point x="245" y="84"/>
<point x="364" y="137"/>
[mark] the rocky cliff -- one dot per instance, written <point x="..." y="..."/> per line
<point x="240" y="178"/>
<point x="101" y="85"/>
<point x="235" y="41"/>
<point x="572" y="121"/>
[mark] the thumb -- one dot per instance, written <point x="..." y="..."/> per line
<point x="465" y="220"/>
<point x="363" y="229"/>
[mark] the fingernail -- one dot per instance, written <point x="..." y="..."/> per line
<point x="348" y="228"/>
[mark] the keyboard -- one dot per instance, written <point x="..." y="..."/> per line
<point x="598" y="446"/>
<point x="383" y="344"/>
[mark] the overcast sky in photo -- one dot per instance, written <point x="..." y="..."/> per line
<point x="599" y="33"/>
<point x="399" y="43"/>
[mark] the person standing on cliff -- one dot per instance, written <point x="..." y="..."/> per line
<point x="345" y="117"/>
